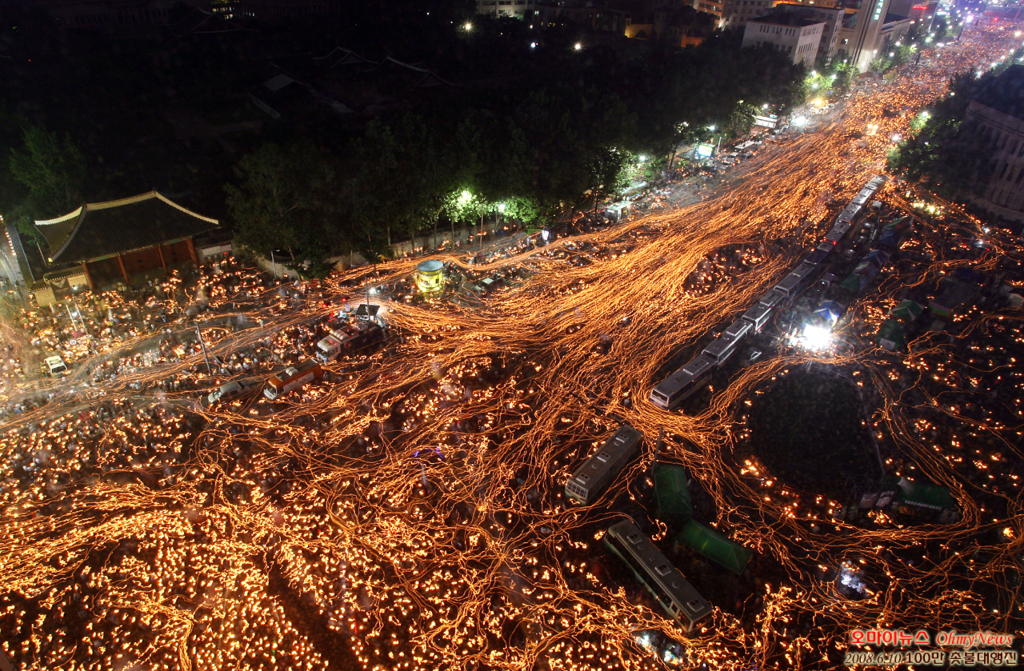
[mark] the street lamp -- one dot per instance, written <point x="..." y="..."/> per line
<point x="712" y="129"/>
<point x="578" y="46"/>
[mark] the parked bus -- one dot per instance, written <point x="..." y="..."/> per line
<point x="682" y="384"/>
<point x="600" y="469"/>
<point x="674" y="593"/>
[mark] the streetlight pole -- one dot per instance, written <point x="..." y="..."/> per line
<point x="202" y="343"/>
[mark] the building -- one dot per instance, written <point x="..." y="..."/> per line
<point x="113" y="15"/>
<point x="998" y="112"/>
<point x="920" y="12"/>
<point x="814" y="3"/>
<point x="121" y="241"/>
<point x="518" y="9"/>
<point x="683" y="26"/>
<point x="736" y="13"/>
<point x="794" y="35"/>
<point x="598" y="16"/>
<point x="831" y="16"/>
<point x="271" y="11"/>
<point x="869" y="29"/>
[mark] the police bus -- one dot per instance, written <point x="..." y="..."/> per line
<point x="674" y="593"/>
<point x="600" y="469"/>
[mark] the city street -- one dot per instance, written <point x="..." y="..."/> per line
<point x="408" y="511"/>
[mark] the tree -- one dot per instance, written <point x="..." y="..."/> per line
<point x="52" y="170"/>
<point x="947" y="154"/>
<point x="286" y="201"/>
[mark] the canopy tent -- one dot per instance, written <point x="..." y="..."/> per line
<point x="923" y="495"/>
<point x="826" y="314"/>
<point x="907" y="311"/>
<point x="892" y="335"/>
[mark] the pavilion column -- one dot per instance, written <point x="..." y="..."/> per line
<point x="124" y="273"/>
<point x="88" y="277"/>
<point x="160" y="251"/>
<point x="192" y="252"/>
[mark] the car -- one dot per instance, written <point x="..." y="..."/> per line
<point x="229" y="392"/>
<point x="55" y="365"/>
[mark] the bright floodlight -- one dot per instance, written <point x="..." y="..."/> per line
<point x="578" y="46"/>
<point x="896" y="137"/>
<point x="642" y="157"/>
<point x="468" y="26"/>
<point x="800" y="120"/>
<point x="711" y="128"/>
<point x="817" y="338"/>
<point x="533" y="45"/>
<point x="764" y="106"/>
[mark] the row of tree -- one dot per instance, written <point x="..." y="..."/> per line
<point x="528" y="150"/>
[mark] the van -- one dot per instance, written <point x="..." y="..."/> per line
<point x="55" y="365"/>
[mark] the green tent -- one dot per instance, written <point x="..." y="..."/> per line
<point x="715" y="546"/>
<point x="892" y="335"/>
<point x="851" y="283"/>
<point x="921" y="495"/>
<point x="672" y="494"/>
<point x="907" y="311"/>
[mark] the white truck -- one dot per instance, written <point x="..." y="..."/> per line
<point x="292" y="378"/>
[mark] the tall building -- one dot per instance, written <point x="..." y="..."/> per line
<point x="998" y="112"/>
<point x="921" y="12"/>
<point x="736" y="13"/>
<point x="831" y="16"/>
<point x="869" y="29"/>
<point x="794" y="35"/>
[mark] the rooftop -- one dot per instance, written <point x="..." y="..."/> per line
<point x="99" y="230"/>
<point x="782" y="18"/>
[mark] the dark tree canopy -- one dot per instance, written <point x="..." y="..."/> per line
<point x="948" y="154"/>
